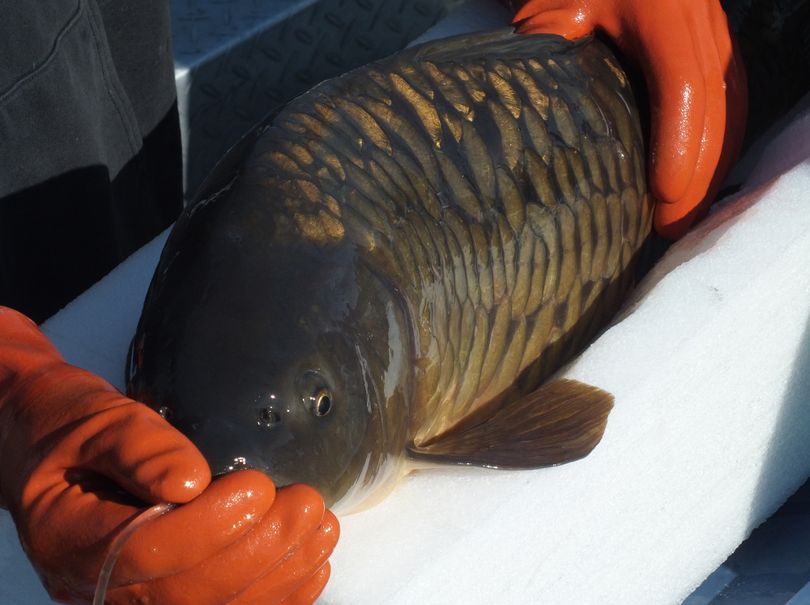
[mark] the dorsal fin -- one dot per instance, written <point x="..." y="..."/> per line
<point x="499" y="44"/>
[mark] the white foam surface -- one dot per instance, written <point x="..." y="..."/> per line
<point x="710" y="367"/>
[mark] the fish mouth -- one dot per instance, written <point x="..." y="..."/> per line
<point x="221" y="467"/>
<point x="239" y="463"/>
<point x="229" y="447"/>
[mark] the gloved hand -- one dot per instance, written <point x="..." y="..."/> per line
<point x="696" y="81"/>
<point x="69" y="441"/>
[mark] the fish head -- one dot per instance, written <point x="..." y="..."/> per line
<point x="273" y="352"/>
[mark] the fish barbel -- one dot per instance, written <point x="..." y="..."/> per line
<point x="405" y="256"/>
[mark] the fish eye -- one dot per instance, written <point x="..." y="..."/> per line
<point x="321" y="402"/>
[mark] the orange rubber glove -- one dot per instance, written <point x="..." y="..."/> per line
<point x="70" y="443"/>
<point x="696" y="81"/>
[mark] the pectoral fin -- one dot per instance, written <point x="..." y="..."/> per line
<point x="561" y="421"/>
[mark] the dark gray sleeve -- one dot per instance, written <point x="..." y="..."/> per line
<point x="90" y="160"/>
<point x="139" y="41"/>
<point x="62" y="105"/>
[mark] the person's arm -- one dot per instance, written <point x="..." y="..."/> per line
<point x="696" y="82"/>
<point x="78" y="461"/>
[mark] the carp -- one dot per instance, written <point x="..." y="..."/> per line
<point x="404" y="257"/>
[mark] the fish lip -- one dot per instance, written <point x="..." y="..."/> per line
<point x="239" y="463"/>
<point x="242" y="463"/>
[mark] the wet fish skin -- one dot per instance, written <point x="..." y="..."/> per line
<point x="236" y="366"/>
<point x="424" y="302"/>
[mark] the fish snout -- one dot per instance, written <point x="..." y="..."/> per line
<point x="229" y="446"/>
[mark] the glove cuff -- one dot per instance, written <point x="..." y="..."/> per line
<point x="25" y="353"/>
<point x="23" y="347"/>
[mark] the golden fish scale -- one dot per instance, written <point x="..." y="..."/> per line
<point x="499" y="189"/>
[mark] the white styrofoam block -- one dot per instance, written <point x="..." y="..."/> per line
<point x="20" y="584"/>
<point x="710" y="366"/>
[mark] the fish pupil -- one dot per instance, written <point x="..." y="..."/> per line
<point x="323" y="404"/>
<point x="165" y="412"/>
